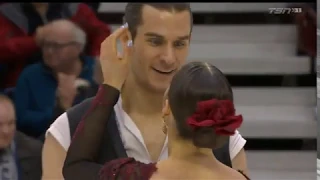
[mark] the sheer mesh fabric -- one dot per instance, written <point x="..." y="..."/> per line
<point x="81" y="158"/>
<point x="82" y="154"/>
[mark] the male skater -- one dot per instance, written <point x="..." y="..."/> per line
<point x="161" y="34"/>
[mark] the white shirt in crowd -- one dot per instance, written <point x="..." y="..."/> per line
<point x="131" y="136"/>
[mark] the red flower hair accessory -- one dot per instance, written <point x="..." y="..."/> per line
<point x="218" y="114"/>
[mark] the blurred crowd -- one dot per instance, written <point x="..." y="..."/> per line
<point x="49" y="61"/>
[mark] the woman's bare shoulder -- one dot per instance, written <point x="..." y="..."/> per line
<point x="230" y="173"/>
<point x="128" y="168"/>
<point x="238" y="175"/>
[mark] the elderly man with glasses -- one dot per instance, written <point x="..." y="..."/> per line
<point x="45" y="90"/>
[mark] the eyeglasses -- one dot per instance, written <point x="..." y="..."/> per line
<point x="56" y="46"/>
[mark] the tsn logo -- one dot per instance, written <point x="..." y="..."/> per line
<point x="285" y="10"/>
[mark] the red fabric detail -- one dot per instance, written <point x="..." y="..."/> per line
<point x="16" y="44"/>
<point x="147" y="170"/>
<point x="15" y="47"/>
<point x="98" y="100"/>
<point x="306" y="29"/>
<point x="218" y="114"/>
<point x="127" y="168"/>
<point x="95" y="29"/>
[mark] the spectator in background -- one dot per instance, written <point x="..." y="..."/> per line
<point x="45" y="90"/>
<point x="86" y="90"/>
<point x="306" y="28"/>
<point x="23" y="26"/>
<point x="91" y="91"/>
<point x="17" y="149"/>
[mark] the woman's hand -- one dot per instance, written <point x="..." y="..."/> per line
<point x="115" y="68"/>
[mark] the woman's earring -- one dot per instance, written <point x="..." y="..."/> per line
<point x="164" y="128"/>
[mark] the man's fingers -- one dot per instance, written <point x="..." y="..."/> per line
<point x="124" y="39"/>
<point x="109" y="45"/>
<point x="120" y="31"/>
<point x="118" y="34"/>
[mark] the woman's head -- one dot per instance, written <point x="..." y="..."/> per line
<point x="196" y="82"/>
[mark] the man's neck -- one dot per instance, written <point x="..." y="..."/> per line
<point x="137" y="99"/>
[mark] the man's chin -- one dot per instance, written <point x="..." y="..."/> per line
<point x="160" y="87"/>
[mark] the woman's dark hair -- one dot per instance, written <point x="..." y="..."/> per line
<point x="194" y="82"/>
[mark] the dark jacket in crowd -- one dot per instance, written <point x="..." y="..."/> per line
<point x="28" y="152"/>
<point x="35" y="97"/>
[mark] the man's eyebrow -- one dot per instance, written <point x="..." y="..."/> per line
<point x="186" y="37"/>
<point x="152" y="34"/>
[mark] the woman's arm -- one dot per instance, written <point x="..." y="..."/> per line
<point x="81" y="156"/>
<point x="80" y="161"/>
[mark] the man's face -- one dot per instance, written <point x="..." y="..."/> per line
<point x="160" y="47"/>
<point x="7" y="123"/>
<point x="59" y="48"/>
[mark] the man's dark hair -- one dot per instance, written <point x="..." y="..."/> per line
<point x="194" y="82"/>
<point x="133" y="13"/>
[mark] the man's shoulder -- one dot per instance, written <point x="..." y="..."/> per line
<point x="63" y="127"/>
<point x="76" y="113"/>
<point x="80" y="108"/>
<point x="236" y="144"/>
